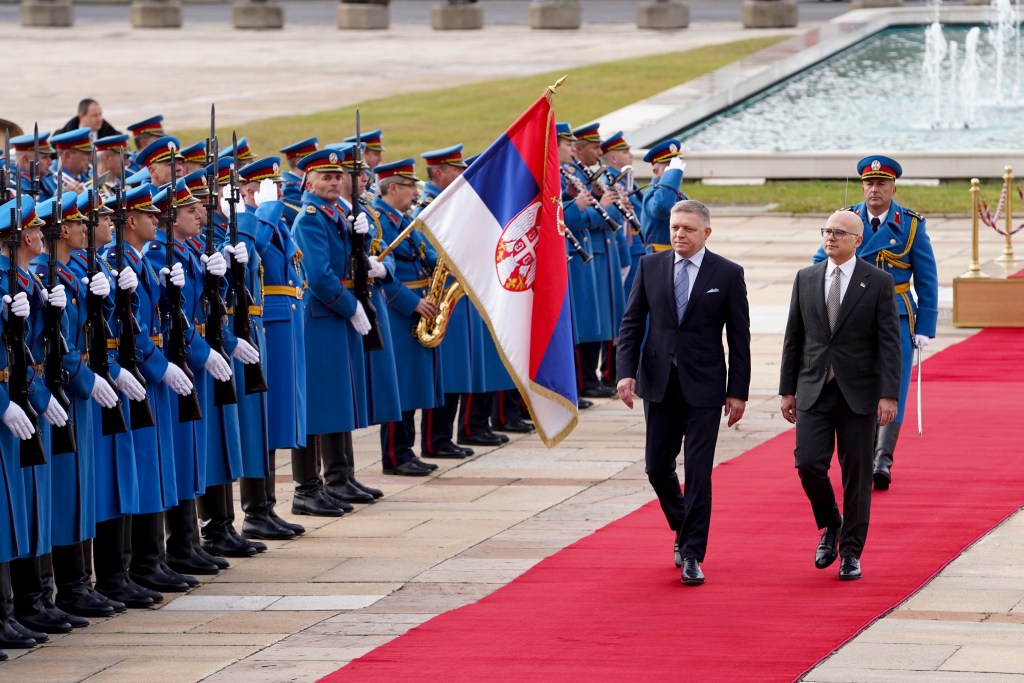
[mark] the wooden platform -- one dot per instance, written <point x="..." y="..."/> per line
<point x="993" y="301"/>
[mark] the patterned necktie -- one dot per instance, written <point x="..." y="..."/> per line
<point x="832" y="306"/>
<point x="682" y="288"/>
<point x="875" y="222"/>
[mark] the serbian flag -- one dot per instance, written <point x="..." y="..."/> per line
<point x="497" y="226"/>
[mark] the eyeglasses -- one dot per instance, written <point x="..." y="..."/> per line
<point x="838" y="234"/>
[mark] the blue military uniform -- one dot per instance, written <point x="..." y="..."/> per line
<point x="141" y="131"/>
<point x="292" y="182"/>
<point x="26" y="143"/>
<point x="662" y="195"/>
<point x="78" y="139"/>
<point x="633" y="236"/>
<point x="899" y="245"/>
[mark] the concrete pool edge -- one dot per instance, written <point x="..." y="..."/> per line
<point x="655" y="118"/>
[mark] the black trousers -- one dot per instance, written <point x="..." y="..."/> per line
<point x="475" y="413"/>
<point x="437" y="425"/>
<point x="673" y="423"/>
<point x="397" y="440"/>
<point x="507" y="407"/>
<point x="830" y="426"/>
<point x="588" y="354"/>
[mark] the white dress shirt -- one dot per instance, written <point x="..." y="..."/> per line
<point x="691" y="269"/>
<point x="847" y="271"/>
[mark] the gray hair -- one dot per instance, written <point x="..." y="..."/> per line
<point x="384" y="184"/>
<point x="695" y="207"/>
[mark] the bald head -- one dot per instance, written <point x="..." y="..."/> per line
<point x="842" y="235"/>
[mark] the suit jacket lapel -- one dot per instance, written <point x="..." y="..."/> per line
<point x="819" y="292"/>
<point x="698" y="286"/>
<point x="858" y="285"/>
<point x="669" y="276"/>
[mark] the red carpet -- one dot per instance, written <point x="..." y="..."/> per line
<point x="611" y="607"/>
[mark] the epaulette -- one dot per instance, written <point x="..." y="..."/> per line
<point x="913" y="214"/>
<point x="293" y="207"/>
<point x="847" y="208"/>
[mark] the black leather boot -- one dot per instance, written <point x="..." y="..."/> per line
<point x="229" y="497"/>
<point x="338" y="470"/>
<point x="214" y="523"/>
<point x="147" y="555"/>
<point x="258" y="522"/>
<point x="885" y="445"/>
<point x="108" y="560"/>
<point x="74" y="591"/>
<point x="181" y="540"/>
<point x="33" y="604"/>
<point x="350" y="456"/>
<point x="271" y="494"/>
<point x="308" y="498"/>
<point x="12" y="634"/>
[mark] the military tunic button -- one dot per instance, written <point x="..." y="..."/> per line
<point x="892" y="241"/>
<point x="293" y="307"/>
<point x="290" y="282"/>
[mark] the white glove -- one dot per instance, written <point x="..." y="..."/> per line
<point x="215" y="263"/>
<point x="103" y="393"/>
<point x="17" y="421"/>
<point x="359" y="320"/>
<point x="98" y="285"/>
<point x="226" y="201"/>
<point x="362" y="225"/>
<point x="129" y="386"/>
<point x="678" y="163"/>
<point x="177" y="380"/>
<point x="266" y="193"/>
<point x="19" y="306"/>
<point x="246" y="353"/>
<point x="377" y="269"/>
<point x="218" y="367"/>
<point x="54" y="414"/>
<point x="57" y="297"/>
<point x="238" y="252"/>
<point x="127" y="279"/>
<point x="921" y="341"/>
<point x="177" y="275"/>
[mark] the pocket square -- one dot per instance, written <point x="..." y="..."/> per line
<point x="713" y="290"/>
<point x="864" y="285"/>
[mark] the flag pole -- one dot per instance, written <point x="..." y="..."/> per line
<point x="398" y="240"/>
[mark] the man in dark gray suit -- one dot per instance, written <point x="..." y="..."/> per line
<point x="680" y="301"/>
<point x="840" y="378"/>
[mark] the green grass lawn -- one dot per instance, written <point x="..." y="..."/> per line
<point x="824" y="196"/>
<point x="477" y="114"/>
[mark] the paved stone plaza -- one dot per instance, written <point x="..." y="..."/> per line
<point x="309" y="605"/>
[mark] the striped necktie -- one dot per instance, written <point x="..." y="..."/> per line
<point x="682" y="288"/>
<point x="832" y="307"/>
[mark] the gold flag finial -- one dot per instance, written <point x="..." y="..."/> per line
<point x="550" y="90"/>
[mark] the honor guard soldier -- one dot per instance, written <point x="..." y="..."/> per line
<point x="292" y="178"/>
<point x="73" y="474"/>
<point x="27" y="610"/>
<point x="153" y="446"/>
<point x="75" y="151"/>
<point x="157" y="158"/>
<point x="383" y="403"/>
<point x="336" y="400"/>
<point x="193" y="158"/>
<point x="245" y="155"/>
<point x="284" y="352"/>
<point x="24" y="154"/>
<point x="667" y="165"/>
<point x="437" y="424"/>
<point x="144" y="132"/>
<point x="139" y="178"/>
<point x="108" y="158"/>
<point x="603" y="222"/>
<point x="895" y="240"/>
<point x="419" y="379"/>
<point x="373" y="154"/>
<point x="617" y="156"/>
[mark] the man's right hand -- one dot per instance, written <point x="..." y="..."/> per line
<point x="584" y="199"/>
<point x="627" y="390"/>
<point x="426" y="308"/>
<point x="789" y="407"/>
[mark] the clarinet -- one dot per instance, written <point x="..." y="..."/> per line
<point x="578" y="184"/>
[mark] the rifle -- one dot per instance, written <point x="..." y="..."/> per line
<point x="19" y="357"/>
<point x="372" y="341"/>
<point x="54" y="344"/>
<point x="188" y="406"/>
<point x="140" y="412"/>
<point x="255" y="382"/>
<point x="223" y="392"/>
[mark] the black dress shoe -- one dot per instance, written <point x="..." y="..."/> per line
<point x="263" y="526"/>
<point x="186" y="579"/>
<point x="429" y="466"/>
<point x="501" y="437"/>
<point x="126" y="597"/>
<point x="159" y="582"/>
<point x="599" y="392"/>
<point x="192" y="564"/>
<point x="517" y="426"/>
<point x="39" y="619"/>
<point x="692" y="575"/>
<point x="347" y="493"/>
<point x="882" y="476"/>
<point x="828" y="547"/>
<point x="3" y="656"/>
<point x="14" y="636"/>
<point x="118" y="605"/>
<point x="223" y="545"/>
<point x="849" y="568"/>
<point x="407" y="469"/>
<point x="314" y="504"/>
<point x="583" y="404"/>
<point x="84" y="604"/>
<point x="153" y="595"/>
<point x="241" y="540"/>
<point x="448" y="450"/>
<point x="677" y="552"/>
<point x="377" y="493"/>
<point x="483" y="439"/>
<point x="219" y="562"/>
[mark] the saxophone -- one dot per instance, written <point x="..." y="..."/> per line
<point x="430" y="331"/>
